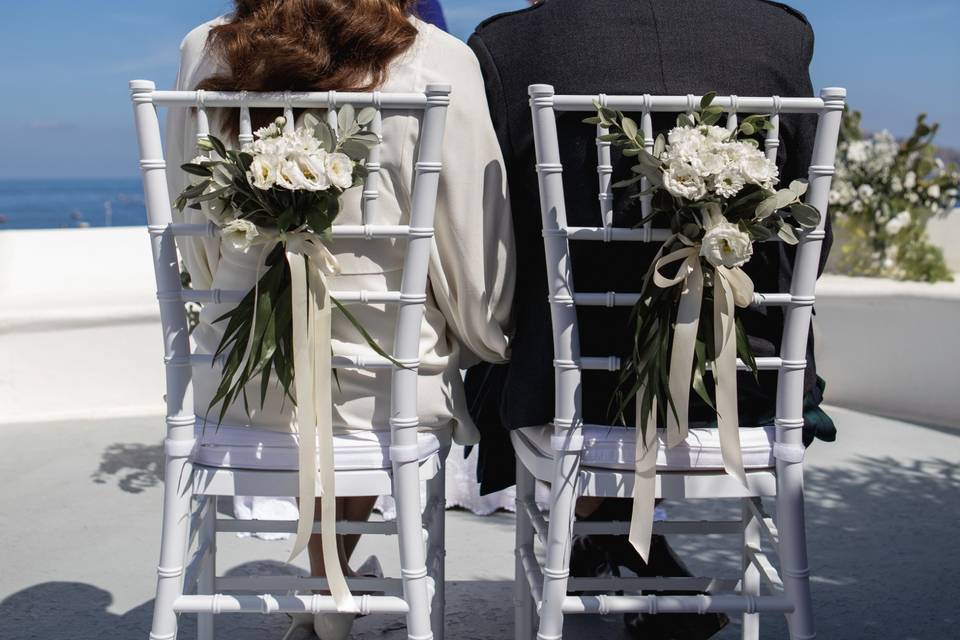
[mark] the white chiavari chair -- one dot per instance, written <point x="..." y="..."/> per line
<point x="588" y="460"/>
<point x="392" y="465"/>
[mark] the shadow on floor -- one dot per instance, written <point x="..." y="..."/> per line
<point x="135" y="466"/>
<point x="880" y="539"/>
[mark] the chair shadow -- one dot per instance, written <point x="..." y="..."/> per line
<point x="879" y="537"/>
<point x="875" y="528"/>
<point x="136" y="466"/>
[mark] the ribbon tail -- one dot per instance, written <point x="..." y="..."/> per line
<point x="725" y="377"/>
<point x="681" y="358"/>
<point x="336" y="581"/>
<point x="311" y="352"/>
<point x="644" y="481"/>
<point x="304" y="388"/>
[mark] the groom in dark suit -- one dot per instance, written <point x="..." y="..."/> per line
<point x="741" y="47"/>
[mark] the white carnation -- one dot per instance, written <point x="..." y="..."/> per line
<point x="683" y="181"/>
<point x="724" y="244"/>
<point x="239" y="234"/>
<point x="710" y="161"/>
<point x="339" y="169"/>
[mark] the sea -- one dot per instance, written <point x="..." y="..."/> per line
<point x="62" y="204"/>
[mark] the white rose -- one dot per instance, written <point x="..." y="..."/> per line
<point x="339" y="169"/>
<point x="310" y="171"/>
<point x="934" y="191"/>
<point x="239" y="234"/>
<point x="756" y="169"/>
<point x="263" y="172"/>
<point x="684" y="181"/>
<point x="289" y="176"/>
<point x="724" y="244"/>
<point x="897" y="223"/>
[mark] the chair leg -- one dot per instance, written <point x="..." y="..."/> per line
<point x="208" y="567"/>
<point x="523" y="621"/>
<point x="436" y="556"/>
<point x="177" y="496"/>
<point x="413" y="570"/>
<point x="795" y="570"/>
<point x="751" y="574"/>
<point x="556" y="569"/>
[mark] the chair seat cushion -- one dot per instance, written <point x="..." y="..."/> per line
<point x="251" y="448"/>
<point x="610" y="447"/>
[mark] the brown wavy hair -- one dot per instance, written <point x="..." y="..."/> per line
<point x="309" y="45"/>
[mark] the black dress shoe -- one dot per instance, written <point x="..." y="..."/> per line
<point x="604" y="555"/>
<point x="674" y="626"/>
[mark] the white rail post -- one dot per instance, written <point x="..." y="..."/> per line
<point x="523" y="618"/>
<point x="750" y="572"/>
<point x="566" y="347"/>
<point x="180" y="417"/>
<point x="404" y="419"/>
<point x="206" y="585"/>
<point x="789" y="420"/>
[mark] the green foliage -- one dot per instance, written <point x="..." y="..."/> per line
<point x="884" y="193"/>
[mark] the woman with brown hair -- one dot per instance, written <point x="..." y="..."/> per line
<point x="361" y="45"/>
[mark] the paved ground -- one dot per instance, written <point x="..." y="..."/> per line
<point x="79" y="522"/>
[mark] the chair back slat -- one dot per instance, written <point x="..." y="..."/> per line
<point x="557" y="234"/>
<point x="371" y="185"/>
<point x="245" y="137"/>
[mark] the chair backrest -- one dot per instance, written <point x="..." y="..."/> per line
<point x="557" y="235"/>
<point x="431" y="105"/>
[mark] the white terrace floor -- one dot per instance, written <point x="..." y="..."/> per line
<point x="80" y="504"/>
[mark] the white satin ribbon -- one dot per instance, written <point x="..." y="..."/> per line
<point x="310" y="262"/>
<point x="730" y="287"/>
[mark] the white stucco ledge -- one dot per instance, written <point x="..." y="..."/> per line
<point x="891" y="348"/>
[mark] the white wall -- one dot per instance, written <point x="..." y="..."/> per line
<point x="79" y="327"/>
<point x="945" y="233"/>
<point x="80" y="334"/>
<point x="891" y="348"/>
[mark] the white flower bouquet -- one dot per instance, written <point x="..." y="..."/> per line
<point x="279" y="196"/>
<point x="717" y="189"/>
<point x="883" y="195"/>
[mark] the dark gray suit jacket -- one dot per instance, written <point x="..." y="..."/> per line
<point x="743" y="47"/>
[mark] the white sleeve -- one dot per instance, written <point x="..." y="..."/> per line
<point x="473" y="264"/>
<point x="200" y="255"/>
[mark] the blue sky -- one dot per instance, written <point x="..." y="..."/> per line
<point x="64" y="66"/>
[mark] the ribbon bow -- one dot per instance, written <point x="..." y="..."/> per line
<point x="310" y="262"/>
<point x="730" y="287"/>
